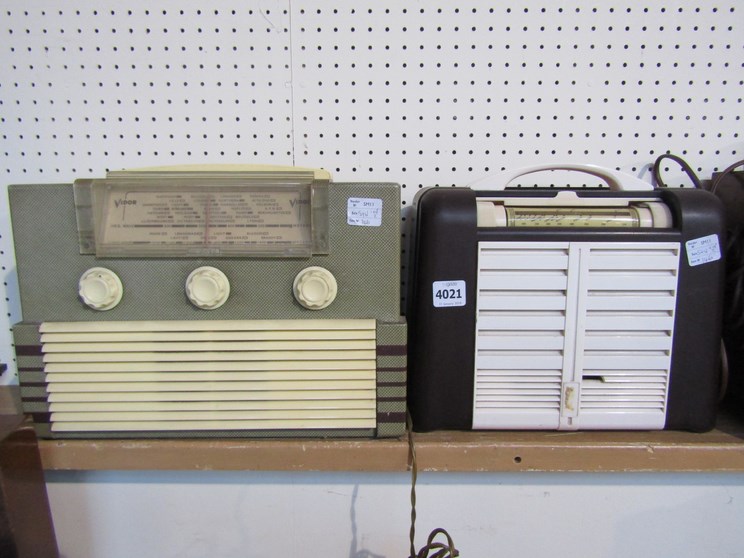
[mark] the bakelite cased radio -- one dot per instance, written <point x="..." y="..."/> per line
<point x="564" y="308"/>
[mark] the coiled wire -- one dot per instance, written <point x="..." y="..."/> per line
<point x="440" y="549"/>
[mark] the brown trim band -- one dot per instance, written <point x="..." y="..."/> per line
<point x="28" y="350"/>
<point x="392" y="350"/>
<point x="391" y="417"/>
<point x="42" y="418"/>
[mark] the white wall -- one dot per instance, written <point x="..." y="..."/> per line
<point x="421" y="93"/>
<point x="252" y="514"/>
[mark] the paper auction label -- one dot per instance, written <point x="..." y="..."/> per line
<point x="703" y="250"/>
<point x="364" y="212"/>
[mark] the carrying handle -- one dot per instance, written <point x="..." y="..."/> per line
<point x="616" y="180"/>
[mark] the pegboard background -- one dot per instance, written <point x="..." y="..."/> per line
<point x="420" y="93"/>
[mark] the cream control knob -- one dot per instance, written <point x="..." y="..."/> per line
<point x="100" y="288"/>
<point x="207" y="288"/>
<point x="315" y="287"/>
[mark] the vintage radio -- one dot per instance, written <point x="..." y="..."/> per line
<point x="210" y="302"/>
<point x="564" y="308"/>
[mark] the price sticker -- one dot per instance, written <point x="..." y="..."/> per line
<point x="448" y="294"/>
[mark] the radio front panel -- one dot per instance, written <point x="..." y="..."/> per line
<point x="363" y="259"/>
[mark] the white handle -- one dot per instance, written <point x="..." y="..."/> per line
<point x="616" y="180"/>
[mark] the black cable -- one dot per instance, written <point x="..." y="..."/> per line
<point x="414" y="474"/>
<point x="735" y="279"/>
<point x="440" y="549"/>
<point x="734" y="311"/>
<point x="720" y="176"/>
<point x="681" y="162"/>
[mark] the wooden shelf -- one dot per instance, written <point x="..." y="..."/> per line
<point x="721" y="450"/>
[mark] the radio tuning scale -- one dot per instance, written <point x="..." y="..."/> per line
<point x="162" y="213"/>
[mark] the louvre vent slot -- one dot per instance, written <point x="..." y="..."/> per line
<point x="598" y="317"/>
<point x="178" y="376"/>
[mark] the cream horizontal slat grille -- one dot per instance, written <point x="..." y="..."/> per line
<point x="265" y="388"/>
<point x="202" y="425"/>
<point x="167" y="355"/>
<point x="574" y="334"/>
<point x="229" y="347"/>
<point x="209" y="336"/>
<point x="174" y="377"/>
<point x="271" y="328"/>
<point x="170" y="416"/>
<point x="216" y="375"/>
<point x="206" y="365"/>
<point x="262" y="405"/>
<point x="198" y="397"/>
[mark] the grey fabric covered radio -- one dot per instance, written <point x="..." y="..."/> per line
<point x="210" y="302"/>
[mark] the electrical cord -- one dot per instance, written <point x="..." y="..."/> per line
<point x="733" y="320"/>
<point x="440" y="549"/>
<point x="720" y="176"/>
<point x="681" y="162"/>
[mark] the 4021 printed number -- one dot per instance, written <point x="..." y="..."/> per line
<point x="448" y="293"/>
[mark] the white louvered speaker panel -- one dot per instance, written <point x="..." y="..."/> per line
<point x="216" y="375"/>
<point x="520" y="336"/>
<point x="624" y="349"/>
<point x="574" y="334"/>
